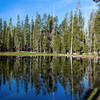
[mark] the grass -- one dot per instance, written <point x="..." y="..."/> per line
<point x="93" y="94"/>
<point x="24" y="54"/>
<point x="98" y="98"/>
<point x="45" y="54"/>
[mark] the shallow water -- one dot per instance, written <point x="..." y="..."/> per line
<point x="47" y="78"/>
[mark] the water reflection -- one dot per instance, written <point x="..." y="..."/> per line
<point x="48" y="76"/>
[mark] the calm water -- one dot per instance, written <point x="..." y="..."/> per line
<point x="47" y="78"/>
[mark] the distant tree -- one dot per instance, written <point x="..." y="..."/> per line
<point x="91" y="31"/>
<point x="65" y="35"/>
<point x="79" y="41"/>
<point x="71" y="26"/>
<point x="56" y="43"/>
<point x="10" y="40"/>
<point x="36" y="34"/>
<point x="26" y="33"/>
<point x="31" y="34"/>
<point x="18" y="35"/>
<point x="50" y="28"/>
<point x="4" y="37"/>
<point x="45" y="32"/>
<point x="0" y="34"/>
<point x="22" y="32"/>
<point x="97" y="32"/>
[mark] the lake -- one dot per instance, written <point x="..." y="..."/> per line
<point x="48" y="78"/>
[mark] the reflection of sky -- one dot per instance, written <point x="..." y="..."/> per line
<point x="85" y="82"/>
<point x="6" y="94"/>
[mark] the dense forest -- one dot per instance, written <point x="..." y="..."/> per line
<point x="47" y="36"/>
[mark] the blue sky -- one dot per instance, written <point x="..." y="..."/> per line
<point x="10" y="8"/>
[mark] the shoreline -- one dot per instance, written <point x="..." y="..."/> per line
<point x="47" y="54"/>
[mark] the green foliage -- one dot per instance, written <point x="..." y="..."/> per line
<point x="47" y="36"/>
<point x="0" y="34"/>
<point x="18" y="36"/>
<point x="26" y="33"/>
<point x="65" y="35"/>
<point x="36" y="34"/>
<point x="97" y="32"/>
<point x="10" y="42"/>
<point x="56" y="43"/>
<point x="4" y="37"/>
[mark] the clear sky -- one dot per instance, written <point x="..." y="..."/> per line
<point x="10" y="8"/>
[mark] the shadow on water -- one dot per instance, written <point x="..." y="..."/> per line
<point x="48" y="78"/>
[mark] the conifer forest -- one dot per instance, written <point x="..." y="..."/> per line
<point x="49" y="53"/>
<point x="46" y="35"/>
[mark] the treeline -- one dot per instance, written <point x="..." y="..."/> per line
<point x="45" y="35"/>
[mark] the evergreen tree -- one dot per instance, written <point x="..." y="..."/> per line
<point x="79" y="41"/>
<point x="54" y="32"/>
<point x="26" y="33"/>
<point x="36" y="34"/>
<point x="45" y="33"/>
<point x="4" y="37"/>
<point x="31" y="34"/>
<point x="49" y="37"/>
<point x="22" y="32"/>
<point x="97" y="32"/>
<point x="56" y="43"/>
<point x="91" y="31"/>
<point x="18" y="36"/>
<point x="10" y="40"/>
<point x="65" y="37"/>
<point x="56" y="38"/>
<point x="76" y="46"/>
<point x="50" y="28"/>
<point x="70" y="42"/>
<point x="0" y="34"/>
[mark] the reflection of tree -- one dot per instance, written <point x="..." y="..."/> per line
<point x="93" y="72"/>
<point x="11" y="66"/>
<point x="89" y="73"/>
<point x="36" y="75"/>
<point x="55" y="69"/>
<point x="96" y="71"/>
<point x="65" y="72"/>
<point x="44" y="72"/>
<point x="78" y="69"/>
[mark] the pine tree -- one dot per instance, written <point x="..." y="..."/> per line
<point x="36" y="34"/>
<point x="22" y="32"/>
<point x="4" y="37"/>
<point x="45" y="33"/>
<point x="56" y="37"/>
<point x="18" y="36"/>
<point x="76" y="45"/>
<point x="64" y="32"/>
<point x="31" y="34"/>
<point x="70" y="42"/>
<point x="79" y="41"/>
<point x="97" y="32"/>
<point x="10" y="40"/>
<point x="53" y="32"/>
<point x="56" y="43"/>
<point x="91" y="31"/>
<point x="50" y="28"/>
<point x="0" y="34"/>
<point x="26" y="33"/>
